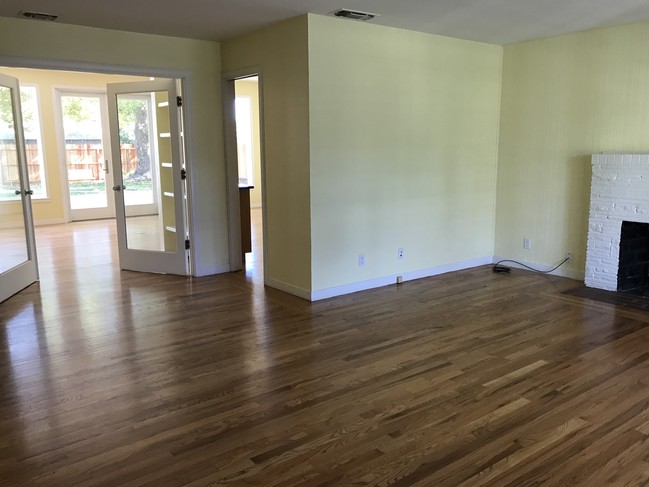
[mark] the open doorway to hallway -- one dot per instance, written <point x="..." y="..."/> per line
<point x="249" y="166"/>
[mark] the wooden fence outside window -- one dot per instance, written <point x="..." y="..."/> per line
<point x="85" y="162"/>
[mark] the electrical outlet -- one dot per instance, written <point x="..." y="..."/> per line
<point x="527" y="243"/>
<point x="361" y="260"/>
<point x="568" y="256"/>
<point x="400" y="253"/>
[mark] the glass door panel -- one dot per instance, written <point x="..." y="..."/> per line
<point x="86" y="160"/>
<point x="139" y="168"/>
<point x="17" y="245"/>
<point x="144" y="132"/>
<point x="14" y="236"/>
<point x="13" y="233"/>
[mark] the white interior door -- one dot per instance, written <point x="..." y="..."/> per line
<point x="145" y="114"/>
<point x="18" y="267"/>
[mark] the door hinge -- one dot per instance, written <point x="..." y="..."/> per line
<point x="179" y="101"/>
<point x="183" y="174"/>
<point x="187" y="244"/>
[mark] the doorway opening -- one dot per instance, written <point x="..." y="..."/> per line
<point x="71" y="164"/>
<point x="244" y="140"/>
<point x="249" y="180"/>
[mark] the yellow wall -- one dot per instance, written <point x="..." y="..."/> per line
<point x="246" y="87"/>
<point x="51" y="210"/>
<point x="40" y="43"/>
<point x="404" y="138"/>
<point x="281" y="52"/>
<point x="565" y="98"/>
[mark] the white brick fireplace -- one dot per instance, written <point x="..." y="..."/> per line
<point x="619" y="192"/>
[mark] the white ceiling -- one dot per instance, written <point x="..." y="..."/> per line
<point x="493" y="21"/>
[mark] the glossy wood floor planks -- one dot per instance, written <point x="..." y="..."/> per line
<point x="472" y="378"/>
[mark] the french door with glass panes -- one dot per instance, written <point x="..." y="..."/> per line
<point x="146" y="115"/>
<point x="87" y="156"/>
<point x="18" y="267"/>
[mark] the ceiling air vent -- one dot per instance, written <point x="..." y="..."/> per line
<point x="39" y="16"/>
<point x="353" y="14"/>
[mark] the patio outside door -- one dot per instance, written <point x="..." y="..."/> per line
<point x="18" y="267"/>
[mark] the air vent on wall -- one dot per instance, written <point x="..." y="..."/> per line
<point x="39" y="16"/>
<point x="353" y="14"/>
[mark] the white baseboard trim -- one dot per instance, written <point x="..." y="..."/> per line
<point x="211" y="270"/>
<point x="288" y="288"/>
<point x="569" y="273"/>
<point x="387" y="280"/>
<point x="392" y="279"/>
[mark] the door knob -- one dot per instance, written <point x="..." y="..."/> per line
<point x="117" y="188"/>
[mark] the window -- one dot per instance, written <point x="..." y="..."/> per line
<point x="9" y="175"/>
<point x="243" y="109"/>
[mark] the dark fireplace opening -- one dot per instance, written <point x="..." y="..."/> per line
<point x="633" y="270"/>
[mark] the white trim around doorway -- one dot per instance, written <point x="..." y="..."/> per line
<point x="184" y="75"/>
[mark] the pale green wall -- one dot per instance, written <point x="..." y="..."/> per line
<point x="404" y="138"/>
<point x="54" y="44"/>
<point x="565" y="98"/>
<point x="281" y="52"/>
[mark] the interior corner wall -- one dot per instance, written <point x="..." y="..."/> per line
<point x="281" y="52"/>
<point x="40" y="44"/>
<point x="404" y="141"/>
<point x="565" y="98"/>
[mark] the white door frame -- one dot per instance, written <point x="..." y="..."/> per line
<point x="182" y="74"/>
<point x="59" y="92"/>
<point x="232" y="166"/>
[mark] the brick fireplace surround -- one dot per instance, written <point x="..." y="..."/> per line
<point x="619" y="192"/>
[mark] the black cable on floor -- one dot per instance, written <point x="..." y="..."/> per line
<point x="501" y="268"/>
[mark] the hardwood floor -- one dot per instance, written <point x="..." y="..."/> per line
<point x="13" y="248"/>
<point x="255" y="260"/>
<point x="145" y="233"/>
<point x="472" y="378"/>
